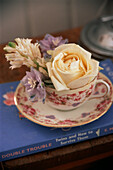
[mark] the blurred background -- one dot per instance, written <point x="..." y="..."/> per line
<point x="31" y="18"/>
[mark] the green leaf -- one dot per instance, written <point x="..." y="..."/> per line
<point x="51" y="86"/>
<point x="48" y="81"/>
<point x="32" y="96"/>
<point x="37" y="64"/>
<point x="12" y="44"/>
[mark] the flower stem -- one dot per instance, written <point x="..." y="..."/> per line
<point x="38" y="65"/>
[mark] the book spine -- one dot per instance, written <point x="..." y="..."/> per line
<point x="84" y="135"/>
<point x="58" y="142"/>
<point x="26" y="150"/>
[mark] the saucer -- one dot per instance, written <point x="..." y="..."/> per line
<point x="45" y="115"/>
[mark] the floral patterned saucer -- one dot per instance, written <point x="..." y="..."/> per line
<point x="45" y="115"/>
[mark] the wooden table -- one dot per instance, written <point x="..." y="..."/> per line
<point x="76" y="155"/>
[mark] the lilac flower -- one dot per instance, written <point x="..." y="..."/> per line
<point x="34" y="85"/>
<point x="49" y="43"/>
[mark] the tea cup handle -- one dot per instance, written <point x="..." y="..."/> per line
<point x="101" y="95"/>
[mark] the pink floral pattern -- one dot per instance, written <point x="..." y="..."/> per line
<point x="73" y="99"/>
<point x="47" y="116"/>
<point x="9" y="98"/>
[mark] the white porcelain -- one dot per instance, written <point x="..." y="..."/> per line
<point x="71" y="99"/>
<point x="45" y="115"/>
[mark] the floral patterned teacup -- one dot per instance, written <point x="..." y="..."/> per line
<point x="71" y="99"/>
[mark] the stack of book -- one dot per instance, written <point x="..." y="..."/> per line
<point x="20" y="137"/>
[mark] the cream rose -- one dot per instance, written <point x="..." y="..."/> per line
<point x="71" y="67"/>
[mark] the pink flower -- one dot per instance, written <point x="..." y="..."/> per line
<point x="31" y="111"/>
<point x="28" y="109"/>
<point x="9" y="96"/>
<point x="103" y="90"/>
<point x="103" y="104"/>
<point x="25" y="108"/>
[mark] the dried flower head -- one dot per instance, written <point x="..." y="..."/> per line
<point x="23" y="52"/>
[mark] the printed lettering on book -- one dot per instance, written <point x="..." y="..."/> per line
<point x="23" y="151"/>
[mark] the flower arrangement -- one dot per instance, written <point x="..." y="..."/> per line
<point x="35" y="56"/>
<point x="53" y="63"/>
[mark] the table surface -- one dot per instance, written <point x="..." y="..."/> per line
<point x="67" y="157"/>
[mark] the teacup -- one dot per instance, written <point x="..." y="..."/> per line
<point x="71" y="99"/>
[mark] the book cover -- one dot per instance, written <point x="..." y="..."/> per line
<point x="20" y="137"/>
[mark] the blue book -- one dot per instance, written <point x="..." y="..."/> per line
<point x="20" y="137"/>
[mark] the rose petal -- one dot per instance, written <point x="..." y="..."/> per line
<point x="58" y="85"/>
<point x="61" y="71"/>
<point x="48" y="64"/>
<point x="55" y="71"/>
<point x="87" y="78"/>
